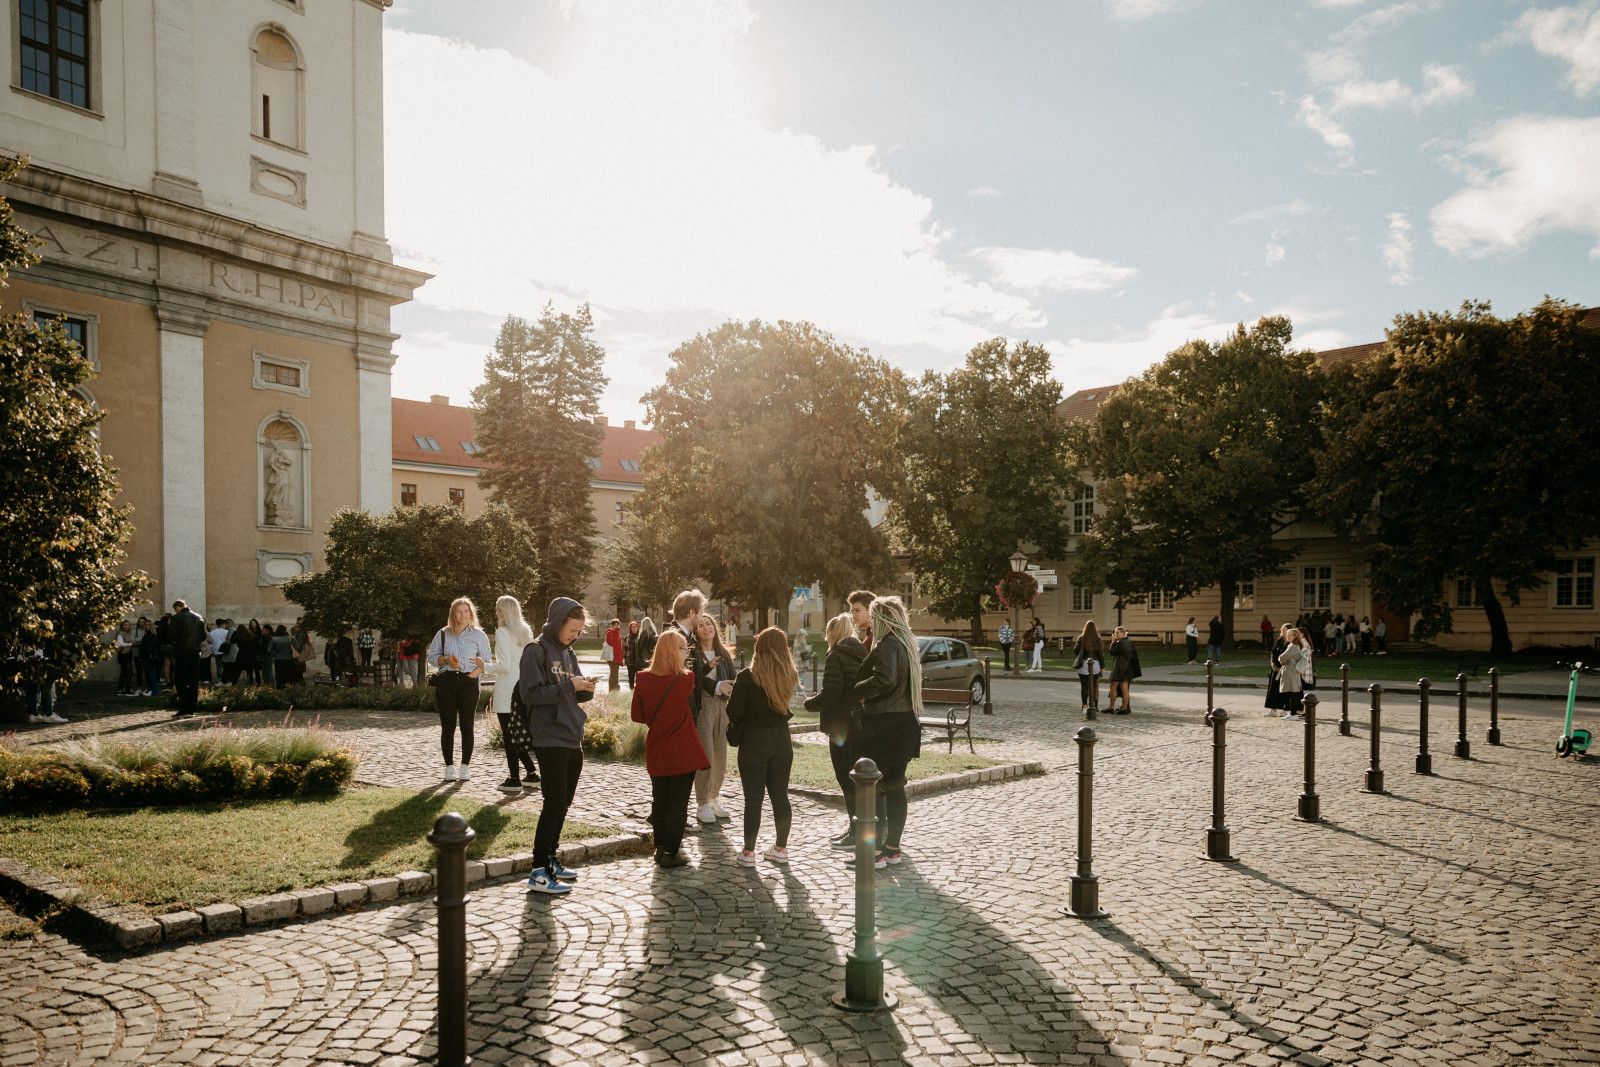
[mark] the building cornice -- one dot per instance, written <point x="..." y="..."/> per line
<point x="171" y="221"/>
<point x="435" y="468"/>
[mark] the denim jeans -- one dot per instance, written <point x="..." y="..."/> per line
<point x="1214" y="652"/>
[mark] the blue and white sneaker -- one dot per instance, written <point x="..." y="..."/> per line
<point x="544" y="881"/>
<point x="566" y="874"/>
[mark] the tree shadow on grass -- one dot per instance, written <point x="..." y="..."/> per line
<point x="411" y="820"/>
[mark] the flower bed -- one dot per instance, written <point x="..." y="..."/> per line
<point x="216" y="764"/>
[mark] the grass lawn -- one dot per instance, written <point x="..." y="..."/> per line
<point x="814" y="769"/>
<point x="169" y="859"/>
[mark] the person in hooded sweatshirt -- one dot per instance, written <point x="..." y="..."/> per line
<point x="552" y="687"/>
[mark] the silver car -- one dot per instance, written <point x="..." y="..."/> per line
<point x="951" y="664"/>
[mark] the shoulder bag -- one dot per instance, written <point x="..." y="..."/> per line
<point x="517" y="735"/>
<point x="433" y="679"/>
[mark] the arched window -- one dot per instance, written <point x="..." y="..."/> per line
<point x="283" y="470"/>
<point x="276" y="80"/>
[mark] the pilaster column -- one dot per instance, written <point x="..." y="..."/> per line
<point x="175" y="177"/>
<point x="183" y="455"/>
<point x="375" y="479"/>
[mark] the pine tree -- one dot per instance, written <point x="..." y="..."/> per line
<point x="64" y="536"/>
<point x="536" y="425"/>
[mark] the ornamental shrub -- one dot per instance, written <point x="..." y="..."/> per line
<point x="49" y="787"/>
<point x="599" y="737"/>
<point x="321" y="779"/>
<point x="283" y="779"/>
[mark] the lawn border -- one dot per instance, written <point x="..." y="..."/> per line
<point x="940" y="783"/>
<point x="127" y="928"/>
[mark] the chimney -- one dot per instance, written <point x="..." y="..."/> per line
<point x="599" y="420"/>
<point x="437" y="399"/>
<point x="629" y="424"/>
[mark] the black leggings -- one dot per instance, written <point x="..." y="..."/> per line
<point x="457" y="699"/>
<point x="892" y="804"/>
<point x="766" y="756"/>
<point x="511" y="757"/>
<point x="844" y="758"/>
<point x="559" y="769"/>
<point x="1089" y="687"/>
<point x="669" y="808"/>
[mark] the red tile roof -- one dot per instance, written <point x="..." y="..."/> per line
<point x="450" y="426"/>
<point x="1085" y="402"/>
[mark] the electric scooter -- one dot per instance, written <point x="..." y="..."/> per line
<point x="1574" y="742"/>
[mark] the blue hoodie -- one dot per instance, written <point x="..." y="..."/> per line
<point x="545" y="683"/>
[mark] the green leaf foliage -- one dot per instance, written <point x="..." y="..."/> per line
<point x="1466" y="448"/>
<point x="399" y="572"/>
<point x="984" y="470"/>
<point x="642" y="563"/>
<point x="1200" y="463"/>
<point x="64" y="535"/>
<point x="536" y="424"/>
<point x="772" y="435"/>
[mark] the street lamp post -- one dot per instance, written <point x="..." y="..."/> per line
<point x="1018" y="563"/>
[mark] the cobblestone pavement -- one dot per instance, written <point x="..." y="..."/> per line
<point x="1450" y="922"/>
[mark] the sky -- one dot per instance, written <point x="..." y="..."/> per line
<point x="1108" y="178"/>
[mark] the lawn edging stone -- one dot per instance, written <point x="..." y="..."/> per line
<point x="940" y="783"/>
<point x="36" y="892"/>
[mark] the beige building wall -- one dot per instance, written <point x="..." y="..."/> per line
<point x="433" y="486"/>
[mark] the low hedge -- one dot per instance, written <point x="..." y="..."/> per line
<point x="215" y="765"/>
<point x="318" y="698"/>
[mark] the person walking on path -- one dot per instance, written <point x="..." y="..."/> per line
<point x="366" y="641"/>
<point x="1191" y="639"/>
<point x="630" y="652"/>
<point x="1215" y="635"/>
<point x="758" y="723"/>
<point x="460" y="651"/>
<point x="123" y="641"/>
<point x="1124" y="669"/>
<point x="511" y="635"/>
<point x="1037" y="631"/>
<point x="890" y="692"/>
<point x="711" y="725"/>
<point x="613" y="657"/>
<point x="1008" y="637"/>
<point x="1086" y="660"/>
<point x="188" y="633"/>
<point x="552" y="686"/>
<point x="1266" y="632"/>
<point x="839" y="711"/>
<point x="673" y="755"/>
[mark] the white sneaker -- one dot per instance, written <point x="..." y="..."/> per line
<point x="746" y="859"/>
<point x="777" y="855"/>
<point x="54" y="718"/>
<point x="719" y="811"/>
<point x="37" y="718"/>
<point x="464" y="773"/>
<point x="450" y="773"/>
<point x="707" y="815"/>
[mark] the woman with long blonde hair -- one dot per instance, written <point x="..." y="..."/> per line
<point x="460" y="651"/>
<point x="758" y="723"/>
<point x="840" y="710"/>
<point x="511" y="635"/>
<point x="672" y="752"/>
<point x="890" y="691"/>
<point x="712" y="722"/>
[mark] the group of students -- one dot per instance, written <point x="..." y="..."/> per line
<point x="1342" y="634"/>
<point x="1088" y="660"/>
<point x="1291" y="673"/>
<point x="1033" y="642"/>
<point x="248" y="653"/>
<point x="695" y="703"/>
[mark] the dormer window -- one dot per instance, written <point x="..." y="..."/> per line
<point x="595" y="464"/>
<point x="630" y="465"/>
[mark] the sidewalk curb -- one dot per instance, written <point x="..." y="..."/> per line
<point x="129" y="929"/>
<point x="940" y="783"/>
<point x="1332" y="685"/>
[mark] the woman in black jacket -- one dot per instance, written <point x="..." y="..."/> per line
<point x="890" y="690"/>
<point x="840" y="711"/>
<point x="758" y="723"/>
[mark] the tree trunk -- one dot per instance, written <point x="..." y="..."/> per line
<point x="1499" y="635"/>
<point x="1229" y="588"/>
<point x="761" y="619"/>
<point x="977" y="621"/>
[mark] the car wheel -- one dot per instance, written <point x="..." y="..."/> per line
<point x="975" y="688"/>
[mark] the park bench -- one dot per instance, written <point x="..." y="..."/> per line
<point x="958" y="718"/>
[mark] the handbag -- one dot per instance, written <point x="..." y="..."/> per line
<point x="517" y="734"/>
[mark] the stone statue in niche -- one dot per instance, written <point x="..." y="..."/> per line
<point x="278" y="503"/>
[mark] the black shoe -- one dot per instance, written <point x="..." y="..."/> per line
<point x="511" y="787"/>
<point x="670" y="859"/>
<point x="845" y="842"/>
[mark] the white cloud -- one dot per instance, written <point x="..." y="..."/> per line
<point x="1332" y="65"/>
<point x="1384" y="19"/>
<point x="1320" y="121"/>
<point x="1274" y="211"/>
<point x="1440" y="85"/>
<point x="1398" y="248"/>
<point x="1083" y="364"/>
<point x="1274" y="254"/>
<point x="641" y="180"/>
<point x="1035" y="270"/>
<point x="1543" y="181"/>
<point x="1337" y="3"/>
<point x="1571" y="34"/>
<point x="984" y="190"/>
<point x="1143" y="9"/>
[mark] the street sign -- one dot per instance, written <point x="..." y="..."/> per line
<point x="803" y="595"/>
<point x="1046" y="579"/>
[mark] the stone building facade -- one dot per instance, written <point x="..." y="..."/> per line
<point x="206" y="181"/>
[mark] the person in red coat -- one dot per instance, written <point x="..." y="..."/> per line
<point x="613" y="653"/>
<point x="672" y="750"/>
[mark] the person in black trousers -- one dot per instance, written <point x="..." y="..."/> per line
<point x="551" y="687"/>
<point x="890" y="690"/>
<point x="758" y="721"/>
<point x="459" y="651"/>
<point x="840" y="711"/>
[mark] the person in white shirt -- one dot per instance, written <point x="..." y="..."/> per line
<point x="460" y="651"/>
<point x="511" y="635"/>
<point x="1191" y="639"/>
<point x="123" y="642"/>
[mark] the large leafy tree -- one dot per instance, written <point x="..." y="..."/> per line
<point x="536" y="425"/>
<point x="643" y="564"/>
<point x="772" y="435"/>
<point x="399" y="572"/>
<point x="1466" y="448"/>
<point x="1201" y="463"/>
<point x="985" y="468"/>
<point x="64" y="537"/>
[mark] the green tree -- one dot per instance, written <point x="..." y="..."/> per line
<point x="64" y="536"/>
<point x="1201" y="463"/>
<point x="985" y="469"/>
<point x="536" y="425"/>
<point x="643" y="565"/>
<point x="399" y="572"/>
<point x="1466" y="448"/>
<point x="772" y="436"/>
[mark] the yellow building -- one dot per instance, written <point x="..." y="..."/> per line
<point x="206" y="181"/>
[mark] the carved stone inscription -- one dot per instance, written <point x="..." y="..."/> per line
<point x="255" y="286"/>
<point x="62" y="242"/>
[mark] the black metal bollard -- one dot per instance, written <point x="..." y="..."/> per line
<point x="450" y="837"/>
<point x="1344" y="699"/>
<point x="988" y="689"/>
<point x="1217" y="833"/>
<point x="1211" y="683"/>
<point x="814" y="659"/>
<point x="1374" y="771"/>
<point x="863" y="968"/>
<point x="1085" y="892"/>
<point x="1494" y="705"/>
<point x="1463" y="746"/>
<point x="1424" y="761"/>
<point x="1310" y="806"/>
